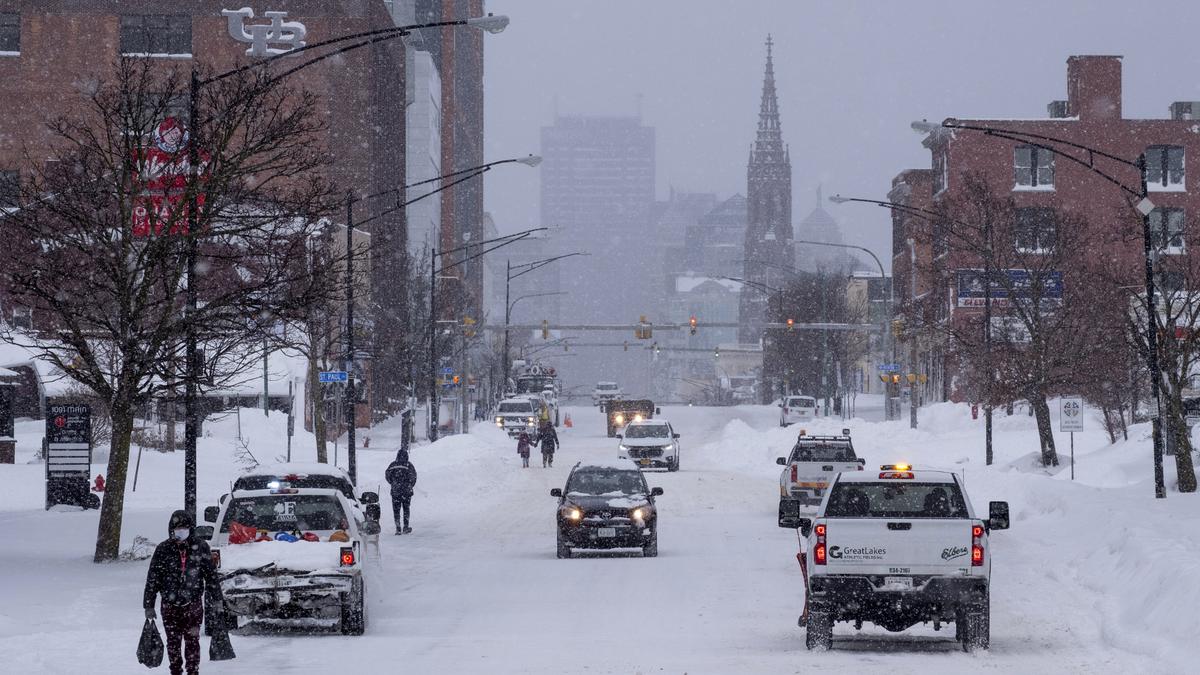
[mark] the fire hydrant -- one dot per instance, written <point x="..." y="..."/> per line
<point x="567" y="422"/>
<point x="99" y="486"/>
<point x="974" y="411"/>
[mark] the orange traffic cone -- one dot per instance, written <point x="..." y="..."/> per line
<point x="567" y="421"/>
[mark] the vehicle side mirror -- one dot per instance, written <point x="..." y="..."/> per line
<point x="555" y="492"/>
<point x="675" y="436"/>
<point x="998" y="515"/>
<point x="223" y="498"/>
<point x="371" y="527"/>
<point x="781" y="461"/>
<point x="805" y="525"/>
<point x="656" y="492"/>
<point x="204" y="531"/>
<point x="369" y="498"/>
<point x="603" y="408"/>
<point x="211" y="513"/>
<point x="621" y="436"/>
<point x="372" y="512"/>
<point x="862" y="461"/>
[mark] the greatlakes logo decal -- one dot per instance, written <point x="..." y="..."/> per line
<point x="857" y="552"/>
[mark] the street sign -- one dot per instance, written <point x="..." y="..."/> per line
<point x="1070" y="418"/>
<point x="888" y="367"/>
<point x="1044" y="287"/>
<point x="447" y="370"/>
<point x="68" y="454"/>
<point x="333" y="376"/>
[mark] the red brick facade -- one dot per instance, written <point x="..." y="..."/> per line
<point x="1091" y="116"/>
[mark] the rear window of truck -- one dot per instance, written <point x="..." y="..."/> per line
<point x="823" y="451"/>
<point x="898" y="499"/>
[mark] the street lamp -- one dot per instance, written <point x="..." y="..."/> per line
<point x="1142" y="205"/>
<point x="525" y="268"/>
<point x="489" y="23"/>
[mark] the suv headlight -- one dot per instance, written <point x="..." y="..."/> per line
<point x="623" y="447"/>
<point x="572" y="513"/>
<point x="641" y="513"/>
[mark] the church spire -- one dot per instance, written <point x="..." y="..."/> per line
<point x="768" y="144"/>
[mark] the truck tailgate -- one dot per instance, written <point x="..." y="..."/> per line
<point x="906" y="546"/>
<point x="819" y="474"/>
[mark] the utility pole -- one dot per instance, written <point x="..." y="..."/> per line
<point x="350" y="389"/>
<point x="912" y="351"/>
<point x="1160" y="487"/>
<point x="191" y="420"/>
<point x="987" y="339"/>
<point x="433" y="360"/>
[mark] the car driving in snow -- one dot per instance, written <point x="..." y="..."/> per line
<point x="606" y="391"/>
<point x="651" y="444"/>
<point x="811" y="465"/>
<point x="518" y="414"/>
<point x="794" y="409"/>
<point x="606" y="505"/>
<point x="292" y="554"/>
<point x="897" y="548"/>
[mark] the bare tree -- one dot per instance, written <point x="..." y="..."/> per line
<point x="100" y="256"/>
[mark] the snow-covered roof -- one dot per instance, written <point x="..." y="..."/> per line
<point x="603" y="463"/>
<point x="687" y="284"/>
<point x="299" y="469"/>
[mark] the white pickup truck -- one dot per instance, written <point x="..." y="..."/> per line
<point x="897" y="548"/>
<point x="292" y="554"/>
<point x="812" y="464"/>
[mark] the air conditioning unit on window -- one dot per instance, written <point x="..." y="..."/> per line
<point x="1057" y="109"/>
<point x="1184" y="110"/>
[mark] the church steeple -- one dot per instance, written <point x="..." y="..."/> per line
<point x="768" y="144"/>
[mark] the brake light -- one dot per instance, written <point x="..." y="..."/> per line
<point x="347" y="557"/>
<point x="216" y="559"/>
<point x="795" y="476"/>
<point x="976" y="546"/>
<point x="819" y="550"/>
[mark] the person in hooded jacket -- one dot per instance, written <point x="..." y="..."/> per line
<point x="182" y="572"/>
<point x="402" y="476"/>
<point x="523" y="445"/>
<point x="548" y="438"/>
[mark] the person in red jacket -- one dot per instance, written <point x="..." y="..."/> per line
<point x="182" y="572"/>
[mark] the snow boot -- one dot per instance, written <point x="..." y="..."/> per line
<point x="407" y="530"/>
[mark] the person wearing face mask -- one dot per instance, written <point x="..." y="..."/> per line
<point x="182" y="572"/>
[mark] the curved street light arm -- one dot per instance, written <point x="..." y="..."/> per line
<point x="538" y="264"/>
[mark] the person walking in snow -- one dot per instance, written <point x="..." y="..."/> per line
<point x="548" y="438"/>
<point x="402" y="476"/>
<point x="523" y="448"/>
<point x="182" y="572"/>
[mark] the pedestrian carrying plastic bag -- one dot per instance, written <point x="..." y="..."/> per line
<point x="150" y="647"/>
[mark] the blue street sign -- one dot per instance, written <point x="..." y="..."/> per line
<point x="333" y="376"/>
<point x="888" y="367"/>
<point x="447" y="370"/>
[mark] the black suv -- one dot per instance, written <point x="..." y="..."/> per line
<point x="604" y="506"/>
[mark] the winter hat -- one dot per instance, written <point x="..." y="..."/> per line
<point x="179" y="519"/>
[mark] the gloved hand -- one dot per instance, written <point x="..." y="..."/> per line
<point x="150" y="615"/>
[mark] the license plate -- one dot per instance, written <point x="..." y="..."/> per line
<point x="609" y="532"/>
<point x="898" y="583"/>
<point x="644" y="462"/>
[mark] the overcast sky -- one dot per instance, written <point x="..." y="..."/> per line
<point x="851" y="77"/>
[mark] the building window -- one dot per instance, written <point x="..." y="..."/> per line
<point x="1033" y="168"/>
<point x="22" y="318"/>
<point x="1166" y="230"/>
<point x="10" y="184"/>
<point x="1164" y="167"/>
<point x="10" y="33"/>
<point x="1036" y="230"/>
<point x="156" y="34"/>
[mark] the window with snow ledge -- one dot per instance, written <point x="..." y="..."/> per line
<point x="1166" y="230"/>
<point x="10" y="185"/>
<point x="1036" y="230"/>
<point x="10" y="34"/>
<point x="941" y="172"/>
<point x="1033" y="168"/>
<point x="156" y="35"/>
<point x="1165" y="168"/>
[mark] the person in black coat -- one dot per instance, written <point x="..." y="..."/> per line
<point x="182" y="572"/>
<point x="402" y="476"/>
<point x="548" y="438"/>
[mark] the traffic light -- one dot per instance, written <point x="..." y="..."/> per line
<point x="883" y="377"/>
<point x="644" y="331"/>
<point x="791" y="324"/>
<point x="627" y="345"/>
<point x="468" y="327"/>
<point x="692" y="324"/>
<point x="895" y="378"/>
<point x="545" y="329"/>
<point x="456" y="380"/>
<point x="717" y="353"/>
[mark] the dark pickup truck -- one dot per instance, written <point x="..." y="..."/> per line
<point x="620" y="413"/>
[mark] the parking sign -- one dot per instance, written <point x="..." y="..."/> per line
<point x="1070" y="416"/>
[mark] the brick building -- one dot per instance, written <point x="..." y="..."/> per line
<point x="49" y="50"/>
<point x="1038" y="179"/>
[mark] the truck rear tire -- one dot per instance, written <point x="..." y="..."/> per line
<point x="819" y="632"/>
<point x="354" y="613"/>
<point x="977" y="629"/>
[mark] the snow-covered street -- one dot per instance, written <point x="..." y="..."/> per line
<point x="1092" y="577"/>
